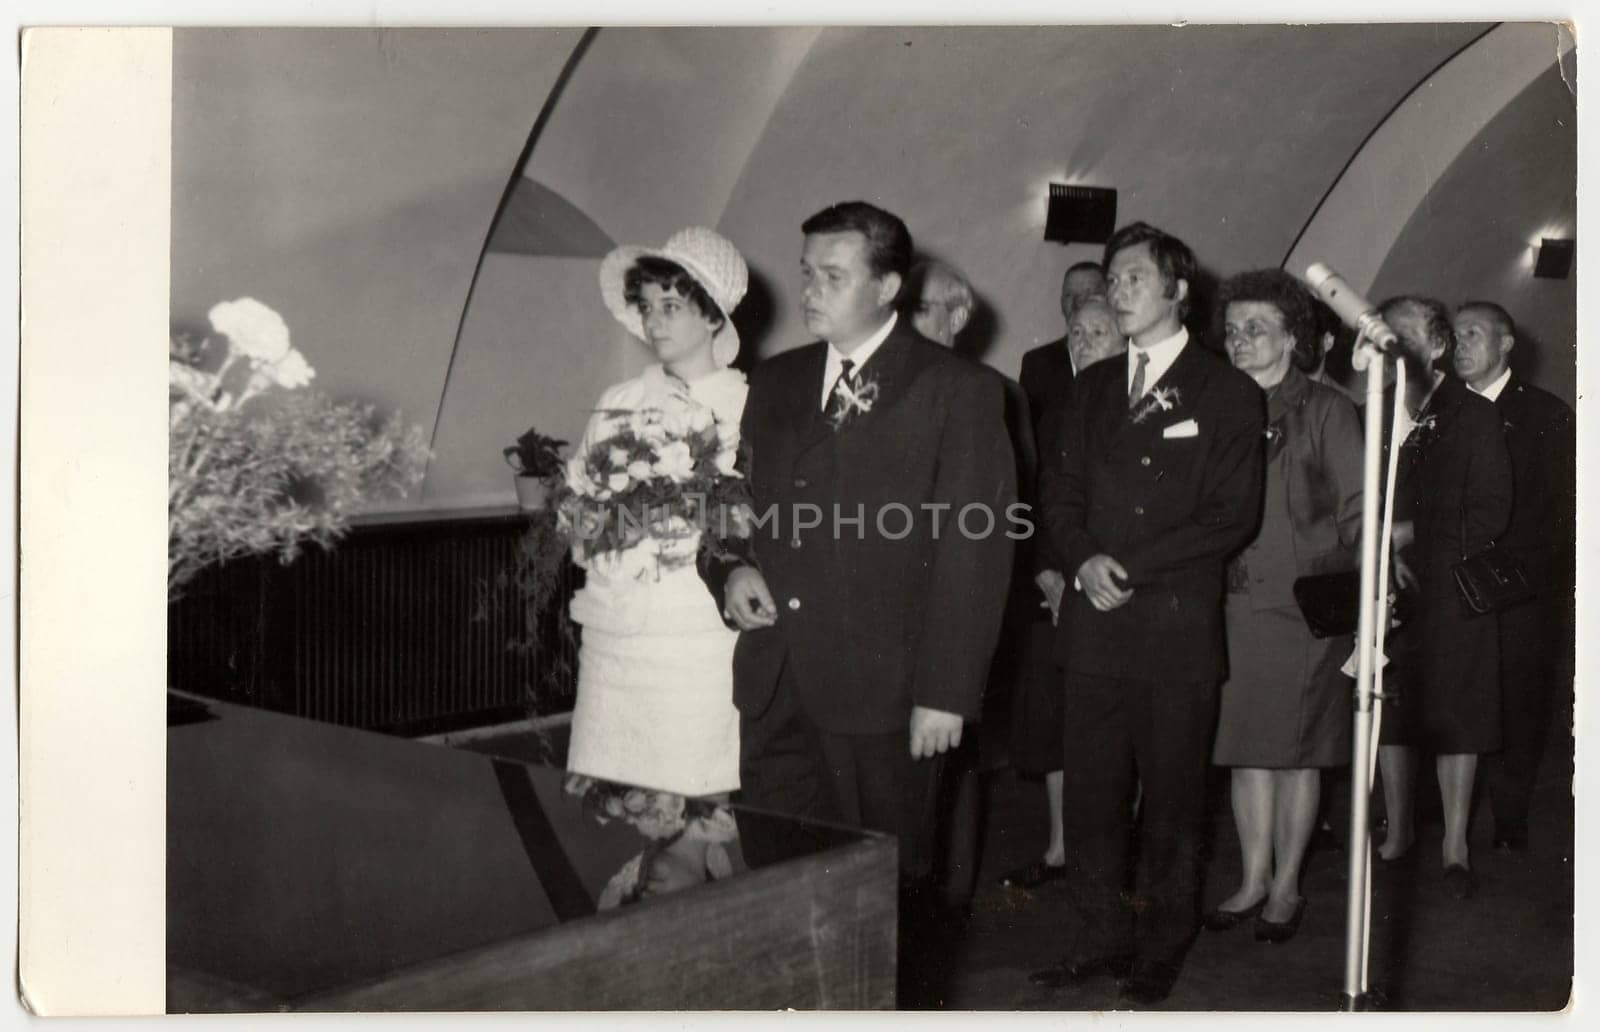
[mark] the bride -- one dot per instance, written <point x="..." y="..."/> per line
<point x="655" y="681"/>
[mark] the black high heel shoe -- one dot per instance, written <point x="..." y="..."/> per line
<point x="1220" y="920"/>
<point x="1281" y="931"/>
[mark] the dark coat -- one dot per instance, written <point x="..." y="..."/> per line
<point x="1314" y="457"/>
<point x="1455" y="485"/>
<point x="1541" y="437"/>
<point x="1170" y="509"/>
<point x="1046" y="379"/>
<point x="873" y="621"/>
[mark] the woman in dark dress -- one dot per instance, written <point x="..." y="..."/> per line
<point x="1452" y="499"/>
<point x="1285" y="709"/>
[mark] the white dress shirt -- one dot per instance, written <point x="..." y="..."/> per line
<point x="1492" y="392"/>
<point x="868" y="348"/>
<point x="1162" y="354"/>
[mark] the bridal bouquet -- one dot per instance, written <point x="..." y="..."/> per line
<point x="661" y="479"/>
<point x="256" y="463"/>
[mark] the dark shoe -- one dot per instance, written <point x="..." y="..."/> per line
<point x="1281" y="931"/>
<point x="1067" y="974"/>
<point x="1031" y="876"/>
<point x="1459" y="882"/>
<point x="1220" y="920"/>
<point x="1149" y="985"/>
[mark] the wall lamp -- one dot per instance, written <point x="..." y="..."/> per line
<point x="1081" y="214"/>
<point x="1555" y="258"/>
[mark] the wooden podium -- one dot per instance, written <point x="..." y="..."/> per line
<point x="314" y="867"/>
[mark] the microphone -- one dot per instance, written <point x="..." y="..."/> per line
<point x="1353" y="309"/>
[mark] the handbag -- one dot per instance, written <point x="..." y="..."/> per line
<point x="1329" y="602"/>
<point x="1490" y="580"/>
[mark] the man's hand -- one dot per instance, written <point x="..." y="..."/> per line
<point x="1054" y="585"/>
<point x="933" y="731"/>
<point x="747" y="601"/>
<point x="1099" y="576"/>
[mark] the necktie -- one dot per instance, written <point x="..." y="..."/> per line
<point x="838" y="407"/>
<point x="1137" y="390"/>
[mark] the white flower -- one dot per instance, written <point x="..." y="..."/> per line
<point x="676" y="461"/>
<point x="700" y="418"/>
<point x="195" y="383"/>
<point x="726" y="458"/>
<point x="618" y="457"/>
<point x="578" y="476"/>
<point x="291" y="371"/>
<point x="252" y="327"/>
<point x="617" y="482"/>
<point x="639" y="469"/>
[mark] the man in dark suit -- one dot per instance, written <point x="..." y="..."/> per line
<point x="871" y="595"/>
<point x="1154" y="480"/>
<point x="1536" y="638"/>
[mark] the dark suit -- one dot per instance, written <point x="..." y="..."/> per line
<point x="1536" y="639"/>
<point x="1046" y="379"/>
<point x="902" y="609"/>
<point x="1141" y="684"/>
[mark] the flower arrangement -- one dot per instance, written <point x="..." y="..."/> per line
<point x="256" y="464"/>
<point x="686" y="837"/>
<point x="662" y="478"/>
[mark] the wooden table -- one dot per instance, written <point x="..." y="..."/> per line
<point x="314" y="867"/>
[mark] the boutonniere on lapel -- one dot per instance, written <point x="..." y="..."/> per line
<point x="1159" y="399"/>
<point x="1422" y="432"/>
<point x="1274" y="436"/>
<point x="848" y="401"/>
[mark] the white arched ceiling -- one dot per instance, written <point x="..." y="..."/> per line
<point x="1472" y="237"/>
<point x="1227" y="136"/>
<point x="1365" y="211"/>
<point x="349" y="178"/>
<point x="654" y="125"/>
<point x="649" y="134"/>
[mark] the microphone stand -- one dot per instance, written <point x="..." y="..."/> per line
<point x="1371" y="627"/>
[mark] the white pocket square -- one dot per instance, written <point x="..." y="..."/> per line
<point x="1187" y="428"/>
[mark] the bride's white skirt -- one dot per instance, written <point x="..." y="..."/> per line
<point x="655" y="686"/>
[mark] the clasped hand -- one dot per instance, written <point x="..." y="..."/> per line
<point x="933" y="731"/>
<point x="747" y="601"/>
<point x="1101" y="578"/>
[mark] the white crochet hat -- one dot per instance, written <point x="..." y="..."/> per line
<point x="704" y="254"/>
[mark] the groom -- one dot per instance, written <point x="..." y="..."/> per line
<point x="870" y="598"/>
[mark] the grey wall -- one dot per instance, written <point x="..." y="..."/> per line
<point x="1472" y="236"/>
<point x="1225" y="136"/>
<point x="348" y="178"/>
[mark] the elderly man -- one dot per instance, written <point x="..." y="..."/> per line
<point x="1151" y="482"/>
<point x="1536" y="638"/>
<point x="1452" y="499"/>
<point x="1047" y="370"/>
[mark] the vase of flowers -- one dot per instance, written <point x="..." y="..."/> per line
<point x="256" y="462"/>
<point x="537" y="462"/>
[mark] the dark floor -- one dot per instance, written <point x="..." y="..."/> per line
<point x="1510" y="947"/>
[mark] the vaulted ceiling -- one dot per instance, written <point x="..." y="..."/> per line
<point x="352" y="178"/>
